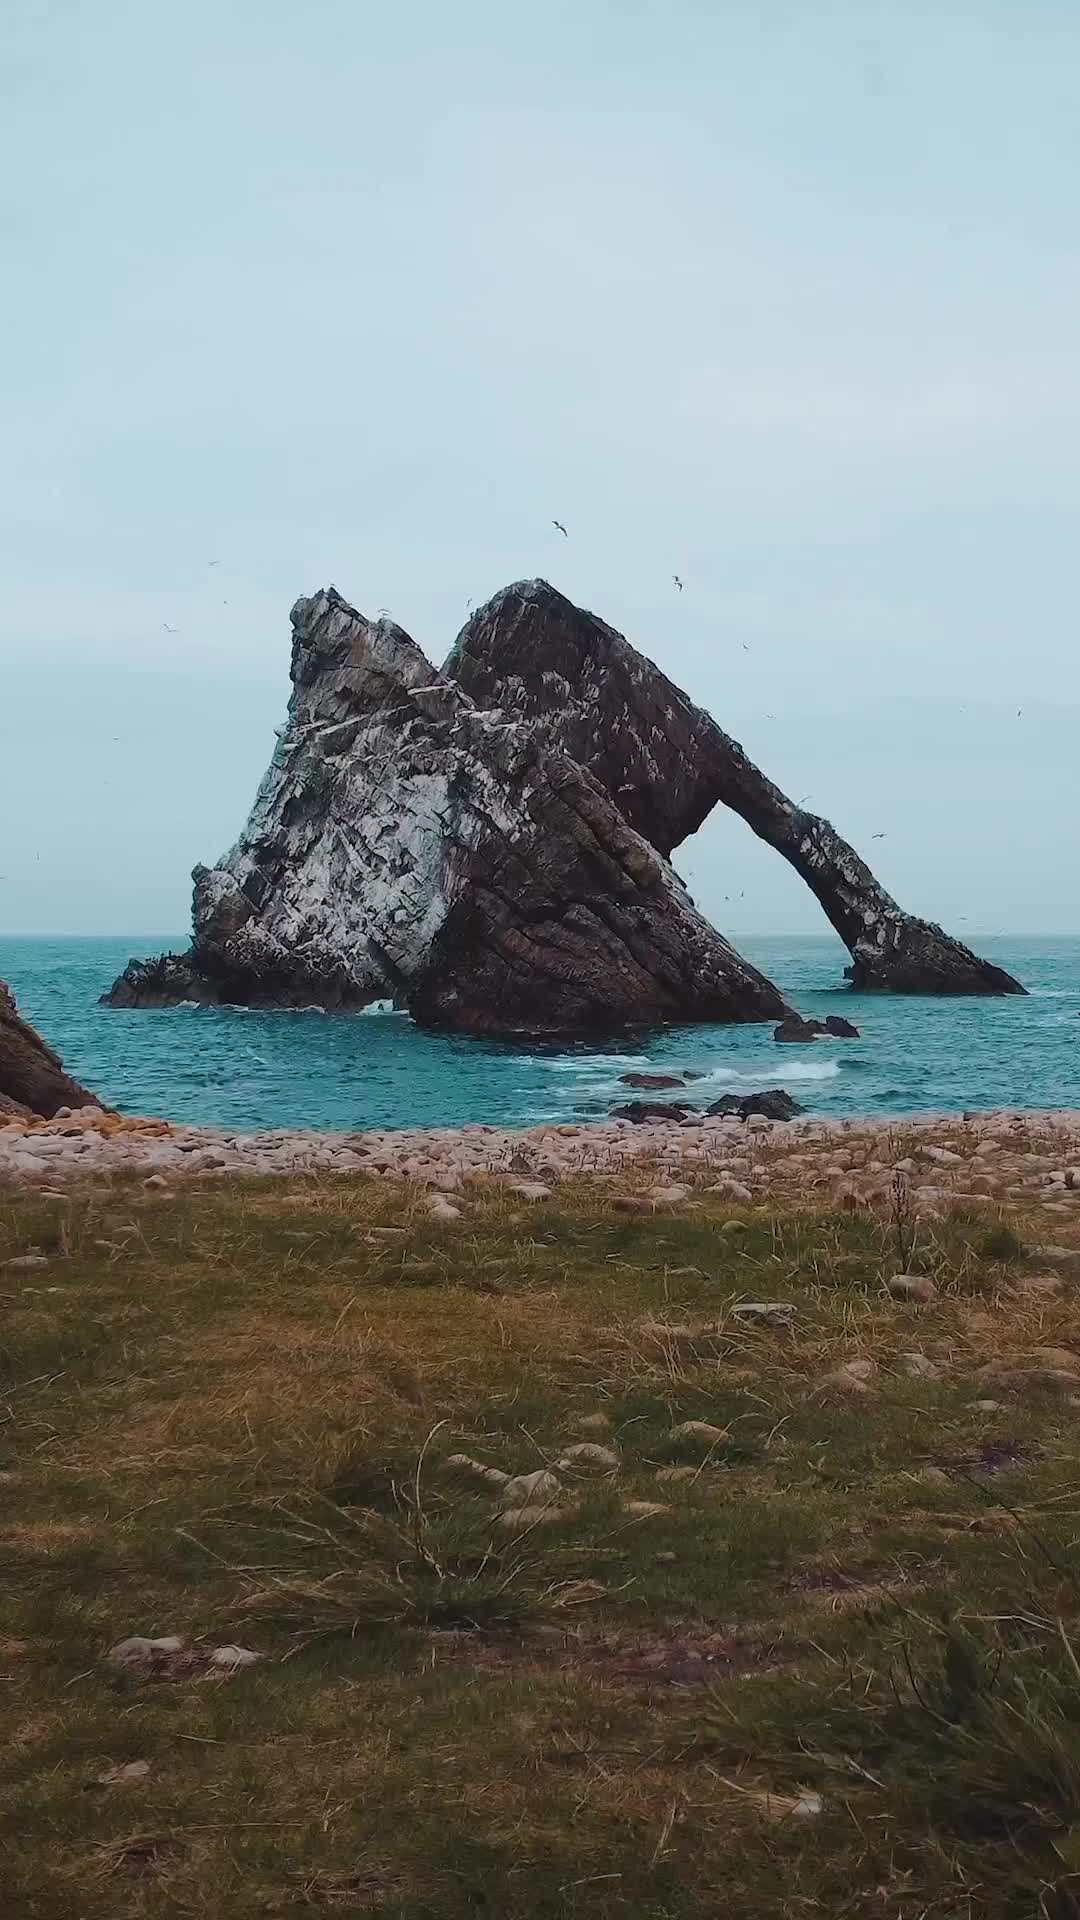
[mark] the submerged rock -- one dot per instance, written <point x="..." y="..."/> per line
<point x="652" y="1082"/>
<point x="666" y="763"/>
<point x="32" y="1077"/>
<point x="405" y="843"/>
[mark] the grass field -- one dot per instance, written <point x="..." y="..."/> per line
<point x="816" y="1659"/>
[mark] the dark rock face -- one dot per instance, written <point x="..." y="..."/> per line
<point x="32" y="1078"/>
<point x="840" y="1028"/>
<point x="795" y="1029"/>
<point x="652" y="1082"/>
<point x="406" y="843"/>
<point x="774" y="1103"/>
<point x="667" y="764"/>
<point x="641" y="1110"/>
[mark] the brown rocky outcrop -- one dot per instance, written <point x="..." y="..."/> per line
<point x="32" y="1077"/>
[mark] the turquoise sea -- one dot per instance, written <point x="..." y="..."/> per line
<point x="246" y="1070"/>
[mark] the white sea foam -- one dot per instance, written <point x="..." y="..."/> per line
<point x="779" y="1070"/>
<point x="591" y="1063"/>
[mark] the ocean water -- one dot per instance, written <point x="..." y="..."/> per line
<point x="235" y="1069"/>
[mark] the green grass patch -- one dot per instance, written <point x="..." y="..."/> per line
<point x="226" y="1414"/>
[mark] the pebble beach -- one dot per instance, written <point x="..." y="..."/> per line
<point x="945" y="1160"/>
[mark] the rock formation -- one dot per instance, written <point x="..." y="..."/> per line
<point x="407" y="841"/>
<point x="32" y="1078"/>
<point x="666" y="764"/>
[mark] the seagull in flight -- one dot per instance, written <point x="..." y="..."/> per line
<point x="213" y="563"/>
<point x="562" y="529"/>
<point x="878" y="836"/>
<point x="677" y="581"/>
<point x="169" y="629"/>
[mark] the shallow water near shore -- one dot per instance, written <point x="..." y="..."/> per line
<point x="235" y="1069"/>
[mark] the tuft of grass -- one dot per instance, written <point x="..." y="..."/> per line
<point x="1000" y="1242"/>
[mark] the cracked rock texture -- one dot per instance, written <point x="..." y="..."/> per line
<point x="32" y="1077"/>
<point x="666" y="764"/>
<point x="409" y="841"/>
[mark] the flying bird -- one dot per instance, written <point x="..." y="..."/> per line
<point x="169" y="629"/>
<point x="562" y="529"/>
<point x="213" y="563"/>
<point x="677" y="581"/>
<point x="878" y="836"/>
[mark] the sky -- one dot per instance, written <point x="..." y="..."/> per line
<point x="780" y="298"/>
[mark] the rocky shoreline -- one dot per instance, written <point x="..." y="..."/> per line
<point x="941" y="1160"/>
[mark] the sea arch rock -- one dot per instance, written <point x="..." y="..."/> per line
<point x="666" y="763"/>
<point x="406" y="841"/>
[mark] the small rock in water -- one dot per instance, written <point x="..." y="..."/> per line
<point x="840" y="1028"/>
<point x="642" y="1111"/>
<point x="794" y="1029"/>
<point x="771" y="1104"/>
<point x="651" y="1082"/>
